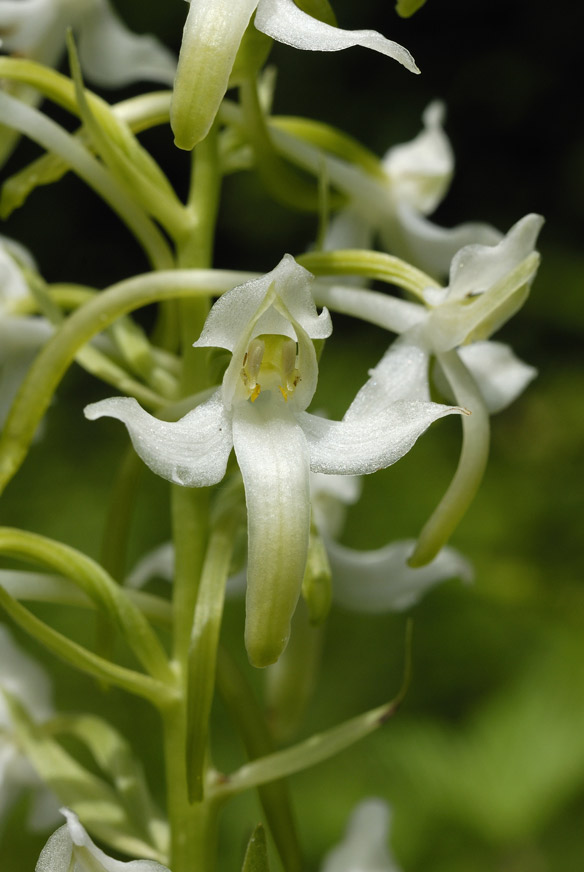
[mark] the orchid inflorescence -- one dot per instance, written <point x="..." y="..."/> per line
<point x="261" y="476"/>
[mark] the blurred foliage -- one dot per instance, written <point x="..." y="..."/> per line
<point x="484" y="763"/>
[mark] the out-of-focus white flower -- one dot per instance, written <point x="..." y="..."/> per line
<point x="364" y="847"/>
<point x="27" y="683"/>
<point x="71" y="850"/>
<point x="110" y="54"/>
<point x="268" y="324"/>
<point x="415" y="178"/>
<point x="212" y="36"/>
<point x="20" y="336"/>
<point x="377" y="580"/>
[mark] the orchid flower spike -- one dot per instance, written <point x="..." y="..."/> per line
<point x="212" y="36"/>
<point x="414" y="179"/>
<point x="22" y="679"/>
<point x="70" y="849"/>
<point x="269" y="325"/>
<point x="21" y="336"/>
<point x="110" y="54"/>
<point x="364" y="847"/>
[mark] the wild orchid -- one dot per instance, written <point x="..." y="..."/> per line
<point x="268" y="325"/>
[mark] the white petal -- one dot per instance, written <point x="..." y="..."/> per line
<point x="364" y="847"/>
<point x="410" y="235"/>
<point x="476" y="268"/>
<point x="244" y="305"/>
<point x="500" y="375"/>
<point x="273" y="458"/>
<point x="365" y="445"/>
<point x="192" y="452"/>
<point x="71" y="845"/>
<point x="420" y="171"/>
<point x="112" y="56"/>
<point x="24" y="679"/>
<point x="285" y="22"/>
<point x="381" y="581"/>
<point x="158" y="563"/>
<point x="331" y="494"/>
<point x="211" y="38"/>
<point x="25" y="24"/>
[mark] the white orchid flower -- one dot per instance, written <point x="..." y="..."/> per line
<point x="415" y="178"/>
<point x="70" y="849"/>
<point x="20" y="336"/>
<point x="26" y="682"/>
<point x="110" y="54"/>
<point x="212" y="36"/>
<point x="488" y="284"/>
<point x="268" y="324"/>
<point x="376" y="580"/>
<point x="364" y="847"/>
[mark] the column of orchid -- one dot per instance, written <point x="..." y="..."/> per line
<point x="232" y="431"/>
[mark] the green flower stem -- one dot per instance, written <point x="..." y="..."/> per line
<point x="203" y="650"/>
<point x="57" y="355"/>
<point x="54" y="138"/>
<point x="76" y="655"/>
<point x="284" y="182"/>
<point x="44" y="588"/>
<point x="369" y="264"/>
<point x="100" y="587"/>
<point x="245" y="712"/>
<point x="471" y="464"/>
<point x="193" y="827"/>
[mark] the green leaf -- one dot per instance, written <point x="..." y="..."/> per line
<point x="405" y="8"/>
<point x="256" y="856"/>
<point x="92" y="798"/>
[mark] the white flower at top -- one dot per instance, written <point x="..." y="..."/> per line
<point x="20" y="336"/>
<point x="364" y="847"/>
<point x="110" y="54"/>
<point x="212" y="36"/>
<point x="268" y="324"/>
<point x="71" y="850"/>
<point x="27" y="683"/>
<point x="415" y="178"/>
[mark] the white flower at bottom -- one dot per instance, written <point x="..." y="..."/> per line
<point x="364" y="847"/>
<point x="71" y="850"/>
<point x="268" y="324"/>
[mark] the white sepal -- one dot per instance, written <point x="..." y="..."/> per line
<point x="285" y="22"/>
<point x="192" y="452"/>
<point x="380" y="580"/>
<point x="500" y="375"/>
